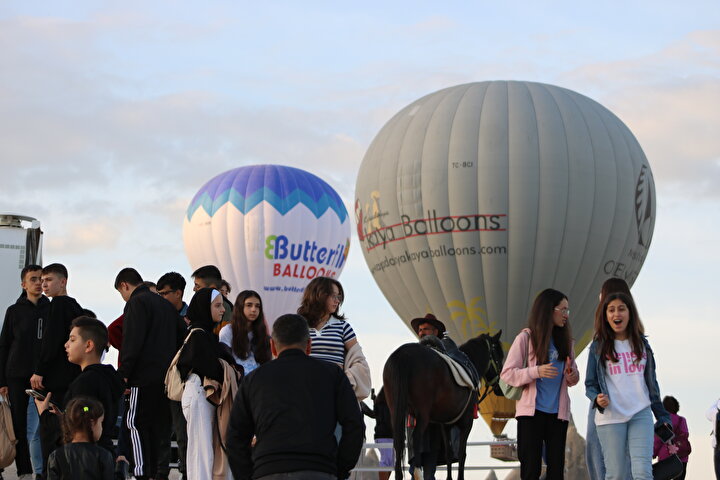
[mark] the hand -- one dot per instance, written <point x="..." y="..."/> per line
<point x="36" y="382"/>
<point x="547" y="371"/>
<point x="602" y="400"/>
<point x="43" y="405"/>
<point x="4" y="391"/>
<point x="571" y="374"/>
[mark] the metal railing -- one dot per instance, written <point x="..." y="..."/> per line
<point x="454" y="466"/>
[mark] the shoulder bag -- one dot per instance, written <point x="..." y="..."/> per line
<point x="174" y="385"/>
<point x="511" y="392"/>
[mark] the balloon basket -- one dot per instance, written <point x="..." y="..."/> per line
<point x="505" y="450"/>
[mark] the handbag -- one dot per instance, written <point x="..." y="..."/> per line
<point x="511" y="392"/>
<point x="7" y="434"/>
<point x="174" y="385"/>
<point x="667" y="469"/>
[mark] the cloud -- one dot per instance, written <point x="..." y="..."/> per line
<point x="669" y="101"/>
<point x="78" y="238"/>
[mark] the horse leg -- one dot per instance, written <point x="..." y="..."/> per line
<point x="421" y="424"/>
<point x="465" y="425"/>
<point x="447" y="442"/>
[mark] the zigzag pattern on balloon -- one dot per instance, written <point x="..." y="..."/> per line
<point x="282" y="204"/>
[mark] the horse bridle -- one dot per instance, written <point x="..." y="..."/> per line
<point x="493" y="363"/>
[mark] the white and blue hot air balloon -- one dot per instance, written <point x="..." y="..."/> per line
<point x="268" y="228"/>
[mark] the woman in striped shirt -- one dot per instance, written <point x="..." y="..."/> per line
<point x="331" y="335"/>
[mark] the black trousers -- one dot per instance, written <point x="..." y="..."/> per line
<point x="534" y="433"/>
<point x="148" y="421"/>
<point x="18" y="409"/>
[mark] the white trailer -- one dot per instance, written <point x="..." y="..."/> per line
<point x="20" y="245"/>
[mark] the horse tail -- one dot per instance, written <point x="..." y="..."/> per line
<point x="399" y="379"/>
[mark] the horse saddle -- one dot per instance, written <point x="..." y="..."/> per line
<point x="463" y="376"/>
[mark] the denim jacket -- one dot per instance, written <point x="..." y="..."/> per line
<point x="595" y="381"/>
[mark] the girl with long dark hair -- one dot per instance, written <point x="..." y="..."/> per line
<point x="622" y="385"/>
<point x="543" y="411"/>
<point x="247" y="334"/>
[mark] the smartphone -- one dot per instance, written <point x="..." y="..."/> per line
<point x="665" y="433"/>
<point x="40" y="395"/>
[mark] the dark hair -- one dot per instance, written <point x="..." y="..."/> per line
<point x="313" y="303"/>
<point x="57" y="269"/>
<point x="542" y="327"/>
<point x="80" y="413"/>
<point x="173" y="280"/>
<point x="605" y="335"/>
<point x="671" y="404"/>
<point x="612" y="285"/>
<point x="241" y="326"/>
<point x="29" y="268"/>
<point x="128" y="275"/>
<point x="88" y="313"/>
<point x="92" y="329"/>
<point x="290" y="329"/>
<point x="210" y="274"/>
<point x="224" y="283"/>
<point x="149" y="284"/>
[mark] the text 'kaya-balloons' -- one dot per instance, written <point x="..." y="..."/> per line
<point x="268" y="228"/>
<point x="473" y="199"/>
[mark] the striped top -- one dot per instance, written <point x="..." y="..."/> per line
<point x="328" y="343"/>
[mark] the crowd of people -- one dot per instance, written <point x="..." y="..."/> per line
<point x="192" y="371"/>
<point x="188" y="370"/>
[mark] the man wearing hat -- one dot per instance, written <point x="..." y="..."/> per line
<point x="429" y="325"/>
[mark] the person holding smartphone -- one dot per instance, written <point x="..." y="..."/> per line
<point x="621" y="383"/>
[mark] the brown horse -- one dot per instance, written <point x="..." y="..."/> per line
<point x="419" y="383"/>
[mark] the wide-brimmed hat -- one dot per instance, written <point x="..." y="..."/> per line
<point x="429" y="318"/>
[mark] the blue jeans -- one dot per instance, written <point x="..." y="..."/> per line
<point x="593" y="452"/>
<point x="634" y="437"/>
<point x="33" y="437"/>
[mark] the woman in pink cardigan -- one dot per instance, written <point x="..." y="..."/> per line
<point x="543" y="411"/>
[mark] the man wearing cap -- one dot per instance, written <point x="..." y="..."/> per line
<point x="429" y="325"/>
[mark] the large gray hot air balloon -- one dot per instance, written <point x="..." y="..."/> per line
<point x="473" y="199"/>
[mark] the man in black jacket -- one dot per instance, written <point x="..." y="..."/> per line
<point x="19" y="347"/>
<point x="53" y="371"/>
<point x="292" y="405"/>
<point x="150" y="338"/>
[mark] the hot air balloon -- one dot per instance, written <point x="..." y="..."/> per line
<point x="473" y="199"/>
<point x="268" y="228"/>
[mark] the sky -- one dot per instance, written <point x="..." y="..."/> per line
<point x="113" y="114"/>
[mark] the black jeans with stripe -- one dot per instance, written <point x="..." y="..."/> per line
<point x="148" y="421"/>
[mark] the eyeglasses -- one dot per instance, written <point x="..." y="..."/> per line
<point x="337" y="297"/>
<point x="564" y="311"/>
<point x="165" y="292"/>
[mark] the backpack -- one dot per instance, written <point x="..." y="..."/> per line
<point x="7" y="434"/>
<point x="174" y="385"/>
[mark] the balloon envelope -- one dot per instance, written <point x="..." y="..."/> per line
<point x="473" y="199"/>
<point x="268" y="228"/>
